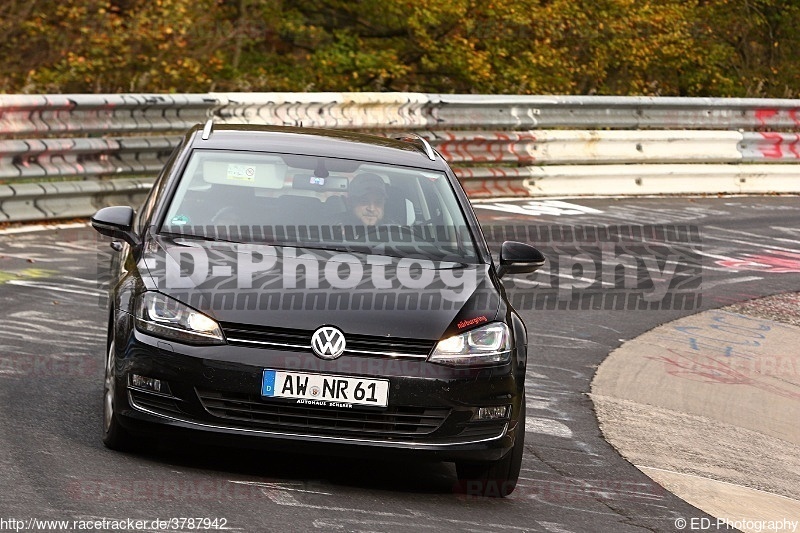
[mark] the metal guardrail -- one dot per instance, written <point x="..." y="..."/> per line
<point x="87" y="114"/>
<point x="66" y="155"/>
<point x="618" y="112"/>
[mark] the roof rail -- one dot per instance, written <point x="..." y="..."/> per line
<point x="207" y="129"/>
<point x="420" y="141"/>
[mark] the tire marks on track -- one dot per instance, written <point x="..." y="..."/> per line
<point x="572" y="480"/>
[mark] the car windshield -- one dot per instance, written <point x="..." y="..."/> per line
<point x="319" y="202"/>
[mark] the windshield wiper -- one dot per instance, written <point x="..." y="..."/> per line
<point x="198" y="237"/>
<point x="316" y="246"/>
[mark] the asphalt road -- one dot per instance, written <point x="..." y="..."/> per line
<point x="52" y="335"/>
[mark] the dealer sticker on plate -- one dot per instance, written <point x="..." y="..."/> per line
<point x="325" y="390"/>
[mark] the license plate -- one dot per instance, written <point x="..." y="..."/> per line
<point x="324" y="390"/>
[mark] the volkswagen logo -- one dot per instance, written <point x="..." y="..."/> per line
<point x="328" y="342"/>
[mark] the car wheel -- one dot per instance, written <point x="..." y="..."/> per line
<point x="115" y="436"/>
<point x="497" y="479"/>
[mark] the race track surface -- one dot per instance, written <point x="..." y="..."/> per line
<point x="52" y="341"/>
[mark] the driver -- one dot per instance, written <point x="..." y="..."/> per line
<point x="366" y="200"/>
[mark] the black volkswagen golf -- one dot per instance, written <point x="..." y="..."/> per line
<point x="326" y="291"/>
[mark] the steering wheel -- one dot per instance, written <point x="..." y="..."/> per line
<point x="227" y="216"/>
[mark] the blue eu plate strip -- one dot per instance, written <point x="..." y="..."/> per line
<point x="268" y="383"/>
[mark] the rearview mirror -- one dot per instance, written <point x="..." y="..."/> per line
<point x="519" y="258"/>
<point x="116" y="222"/>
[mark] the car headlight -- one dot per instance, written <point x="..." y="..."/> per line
<point x="166" y="317"/>
<point x="489" y="344"/>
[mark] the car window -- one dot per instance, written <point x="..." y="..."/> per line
<point x="319" y="202"/>
<point x="155" y="193"/>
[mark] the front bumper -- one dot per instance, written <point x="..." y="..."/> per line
<point x="216" y="390"/>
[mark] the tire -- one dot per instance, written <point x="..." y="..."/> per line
<point x="115" y="437"/>
<point x="497" y="479"/>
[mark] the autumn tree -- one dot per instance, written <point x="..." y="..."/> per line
<point x="621" y="47"/>
<point x="112" y="46"/>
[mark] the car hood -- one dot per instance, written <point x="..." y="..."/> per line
<point x="304" y="288"/>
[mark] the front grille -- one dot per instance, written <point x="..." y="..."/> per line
<point x="278" y="338"/>
<point x="394" y="423"/>
<point x="484" y="430"/>
<point x="298" y="339"/>
<point x="154" y="402"/>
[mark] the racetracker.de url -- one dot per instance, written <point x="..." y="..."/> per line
<point x="114" y="524"/>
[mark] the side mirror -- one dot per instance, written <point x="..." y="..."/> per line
<point x="116" y="222"/>
<point x="519" y="258"/>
